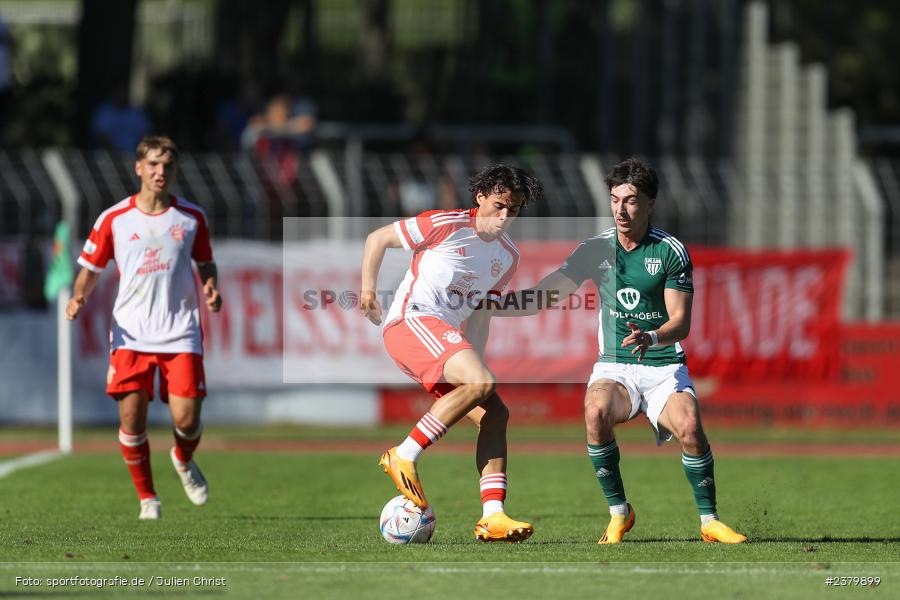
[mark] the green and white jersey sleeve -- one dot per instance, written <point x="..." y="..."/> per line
<point x="636" y="292"/>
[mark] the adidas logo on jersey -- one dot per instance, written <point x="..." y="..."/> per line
<point x="134" y="237"/>
<point x="605" y="265"/>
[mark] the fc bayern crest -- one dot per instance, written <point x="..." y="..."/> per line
<point x="652" y="265"/>
<point x="496" y="267"/>
<point x="453" y="337"/>
<point x="177" y="232"/>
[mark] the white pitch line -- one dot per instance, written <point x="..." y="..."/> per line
<point x="29" y="460"/>
<point x="361" y="568"/>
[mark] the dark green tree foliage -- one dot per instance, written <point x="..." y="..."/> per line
<point x="105" y="42"/>
<point x="859" y="45"/>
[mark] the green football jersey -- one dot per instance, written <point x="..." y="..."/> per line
<point x="632" y="286"/>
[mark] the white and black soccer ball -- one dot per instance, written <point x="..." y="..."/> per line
<point x="402" y="522"/>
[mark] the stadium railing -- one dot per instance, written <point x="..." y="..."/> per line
<point x="702" y="201"/>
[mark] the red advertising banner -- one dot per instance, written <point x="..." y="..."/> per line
<point x="772" y="314"/>
<point x="755" y="315"/>
<point x="290" y="315"/>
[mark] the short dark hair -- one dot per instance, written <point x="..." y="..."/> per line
<point x="636" y="172"/>
<point x="498" y="179"/>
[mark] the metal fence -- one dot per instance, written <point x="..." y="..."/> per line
<point x="246" y="196"/>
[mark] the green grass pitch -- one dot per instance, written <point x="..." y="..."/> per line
<point x="305" y="525"/>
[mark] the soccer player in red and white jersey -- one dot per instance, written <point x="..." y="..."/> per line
<point x="435" y="335"/>
<point x="153" y="237"/>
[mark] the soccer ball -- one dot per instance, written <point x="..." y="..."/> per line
<point x="402" y="522"/>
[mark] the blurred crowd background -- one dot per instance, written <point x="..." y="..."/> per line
<point x="749" y="108"/>
<point x="774" y="125"/>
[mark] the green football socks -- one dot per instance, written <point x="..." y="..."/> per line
<point x="605" y="459"/>
<point x="699" y="471"/>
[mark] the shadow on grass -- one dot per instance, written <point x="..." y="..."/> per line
<point x="301" y="518"/>
<point x="827" y="539"/>
<point x="56" y="593"/>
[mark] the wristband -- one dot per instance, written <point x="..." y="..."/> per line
<point x="654" y="339"/>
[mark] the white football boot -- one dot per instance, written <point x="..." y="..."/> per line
<point x="192" y="479"/>
<point x="150" y="509"/>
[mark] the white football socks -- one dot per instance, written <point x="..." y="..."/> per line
<point x="704" y="519"/>
<point x="619" y="509"/>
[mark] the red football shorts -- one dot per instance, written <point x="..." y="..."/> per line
<point x="421" y="346"/>
<point x="179" y="374"/>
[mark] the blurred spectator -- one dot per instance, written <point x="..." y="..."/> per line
<point x="447" y="198"/>
<point x="417" y="196"/>
<point x="283" y="131"/>
<point x="414" y="196"/>
<point x="233" y="114"/>
<point x="283" y="118"/>
<point x="117" y="125"/>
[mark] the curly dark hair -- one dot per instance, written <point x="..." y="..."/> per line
<point x="636" y="172"/>
<point x="498" y="179"/>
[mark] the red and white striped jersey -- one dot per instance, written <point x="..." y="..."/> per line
<point x="156" y="307"/>
<point x="452" y="268"/>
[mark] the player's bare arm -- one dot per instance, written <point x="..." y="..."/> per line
<point x="209" y="276"/>
<point x="84" y="285"/>
<point x="376" y="244"/>
<point x="550" y="291"/>
<point x="677" y="328"/>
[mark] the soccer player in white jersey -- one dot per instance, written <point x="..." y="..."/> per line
<point x="435" y="335"/>
<point x="646" y="291"/>
<point x="153" y="237"/>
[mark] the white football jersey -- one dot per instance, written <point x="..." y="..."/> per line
<point x="452" y="269"/>
<point x="156" y="307"/>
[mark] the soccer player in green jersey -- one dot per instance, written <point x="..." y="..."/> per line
<point x="644" y="278"/>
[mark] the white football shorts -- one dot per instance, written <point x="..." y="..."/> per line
<point x="648" y="387"/>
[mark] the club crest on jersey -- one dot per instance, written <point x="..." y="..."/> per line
<point x="496" y="267"/>
<point x="629" y="297"/>
<point x="652" y="265"/>
<point x="177" y="232"/>
<point x="453" y="337"/>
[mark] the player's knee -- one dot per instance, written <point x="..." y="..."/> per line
<point x="598" y="413"/>
<point x="688" y="430"/>
<point x="187" y="424"/>
<point x="484" y="386"/>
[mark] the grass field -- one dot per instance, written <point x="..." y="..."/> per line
<point x="291" y="524"/>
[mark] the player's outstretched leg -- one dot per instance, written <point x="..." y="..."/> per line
<point x="618" y="526"/>
<point x="700" y="473"/>
<point x="405" y="476"/>
<point x="187" y="431"/>
<point x="605" y="460"/>
<point x="192" y="479"/>
<point x="400" y="461"/>
<point x="717" y="531"/>
<point x="499" y="527"/>
<point x="495" y="525"/>
<point x="150" y="509"/>
<point x="135" y="451"/>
